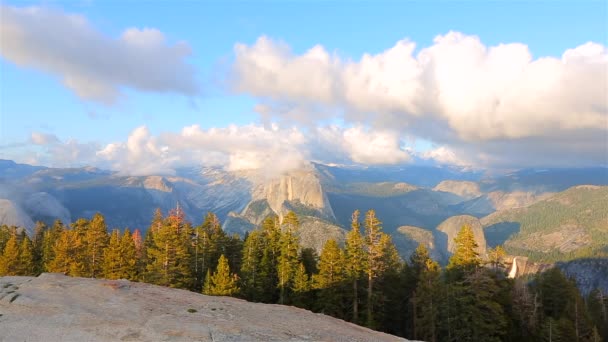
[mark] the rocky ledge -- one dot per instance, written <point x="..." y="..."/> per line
<point x="54" y="307"/>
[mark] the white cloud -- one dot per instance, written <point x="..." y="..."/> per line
<point x="360" y="145"/>
<point x="39" y="138"/>
<point x="457" y="92"/>
<point x="91" y="64"/>
<point x="270" y="149"/>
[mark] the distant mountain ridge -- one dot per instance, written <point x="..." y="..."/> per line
<point x="421" y="197"/>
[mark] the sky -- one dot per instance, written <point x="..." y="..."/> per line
<point x="146" y="87"/>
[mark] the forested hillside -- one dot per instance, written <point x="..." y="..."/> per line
<point x="568" y="225"/>
<point x="363" y="281"/>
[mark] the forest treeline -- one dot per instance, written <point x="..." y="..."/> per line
<point x="362" y="281"/>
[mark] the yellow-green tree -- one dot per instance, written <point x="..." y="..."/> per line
<point x="68" y="252"/>
<point x="465" y="254"/>
<point x="95" y="241"/>
<point x="26" y="257"/>
<point x="222" y="282"/>
<point x="288" y="255"/>
<point x="9" y="261"/>
<point x="329" y="281"/>
<point x="355" y="261"/>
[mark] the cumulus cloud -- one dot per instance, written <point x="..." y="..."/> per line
<point x="360" y="145"/>
<point x="90" y="63"/>
<point x="457" y="92"/>
<point x="270" y="149"/>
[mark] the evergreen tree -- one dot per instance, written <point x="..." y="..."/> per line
<point x="95" y="241"/>
<point x="168" y="257"/>
<point x="9" y="261"/>
<point x="222" y="282"/>
<point x="37" y="247"/>
<point x="112" y="265"/>
<point x="287" y="261"/>
<point x="355" y="262"/>
<point x="426" y="299"/>
<point x="374" y="265"/>
<point x="496" y="256"/>
<point x="300" y="287"/>
<point x="330" y="279"/>
<point x="251" y="278"/>
<point x="270" y="258"/>
<point x="68" y="254"/>
<point x="51" y="236"/>
<point x="465" y="257"/>
<point x="26" y="257"/>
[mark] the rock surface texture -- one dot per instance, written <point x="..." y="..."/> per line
<point x="53" y="307"/>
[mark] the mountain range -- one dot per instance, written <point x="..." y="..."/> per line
<point x="554" y="213"/>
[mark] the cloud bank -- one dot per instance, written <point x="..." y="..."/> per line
<point x="270" y="149"/>
<point x="495" y="104"/>
<point x="94" y="66"/>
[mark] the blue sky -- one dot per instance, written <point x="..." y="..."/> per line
<point x="33" y="100"/>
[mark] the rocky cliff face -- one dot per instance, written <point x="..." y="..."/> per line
<point x="448" y="230"/>
<point x="12" y="215"/>
<point x="464" y="189"/>
<point x="303" y="186"/>
<point x="54" y="307"/>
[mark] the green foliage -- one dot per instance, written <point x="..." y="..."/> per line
<point x="465" y="255"/>
<point x="581" y="208"/>
<point x="466" y="302"/>
<point x="222" y="282"/>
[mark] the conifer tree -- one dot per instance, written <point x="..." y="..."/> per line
<point x="270" y="256"/>
<point x="375" y="254"/>
<point x="355" y="261"/>
<point x="465" y="257"/>
<point x="37" y="246"/>
<point x="496" y="256"/>
<point x="51" y="236"/>
<point x="222" y="282"/>
<point x="26" y="257"/>
<point x="251" y="277"/>
<point x="168" y="256"/>
<point x="95" y="241"/>
<point x="68" y="252"/>
<point x="128" y="251"/>
<point x="288" y="255"/>
<point x="112" y="263"/>
<point x="330" y="279"/>
<point x="9" y="261"/>
<point x="300" y="287"/>
<point x="207" y="285"/>
<point x="426" y="298"/>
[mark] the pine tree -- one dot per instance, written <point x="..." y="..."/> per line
<point x="465" y="257"/>
<point x="330" y="279"/>
<point x="112" y="264"/>
<point x="426" y="298"/>
<point x="374" y="251"/>
<point x="222" y="282"/>
<point x="168" y="256"/>
<point x="355" y="261"/>
<point x="300" y="287"/>
<point x="251" y="278"/>
<point x="95" y="240"/>
<point x="270" y="256"/>
<point x="68" y="252"/>
<point x="50" y="238"/>
<point x="9" y="261"/>
<point x="496" y="256"/>
<point x="287" y="261"/>
<point x="26" y="257"/>
<point x="37" y="247"/>
<point x="128" y="251"/>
